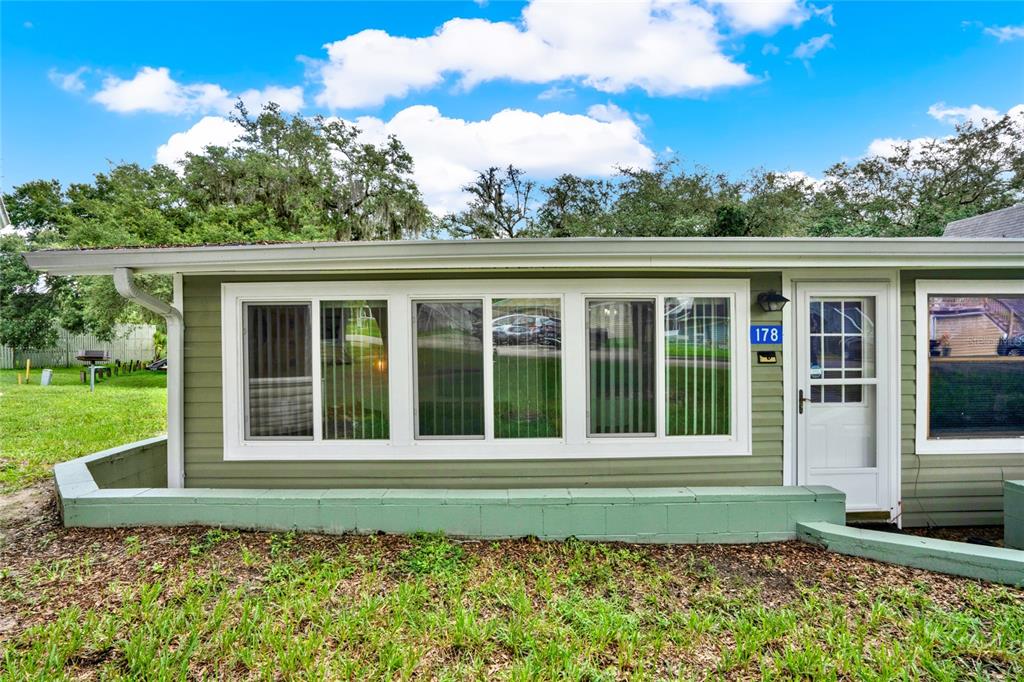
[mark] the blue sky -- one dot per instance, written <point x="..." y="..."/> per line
<point x="787" y="85"/>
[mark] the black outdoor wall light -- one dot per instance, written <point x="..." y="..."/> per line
<point x="771" y="301"/>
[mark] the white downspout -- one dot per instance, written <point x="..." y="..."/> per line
<point x="124" y="282"/>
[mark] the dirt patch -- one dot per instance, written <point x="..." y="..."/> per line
<point x="24" y="509"/>
<point x="990" y="536"/>
<point x="977" y="535"/>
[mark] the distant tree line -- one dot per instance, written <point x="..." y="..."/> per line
<point x="302" y="179"/>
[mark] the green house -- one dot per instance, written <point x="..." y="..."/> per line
<point x="891" y="370"/>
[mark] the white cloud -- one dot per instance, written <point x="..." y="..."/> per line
<point x="665" y="47"/>
<point x="974" y="113"/>
<point x="762" y="16"/>
<point x="807" y="50"/>
<point x="825" y="14"/>
<point x="555" y="92"/>
<point x="608" y="113"/>
<point x="210" y="130"/>
<point x="68" y="82"/>
<point x="886" y="146"/>
<point x="153" y="90"/>
<point x="1006" y="33"/>
<point x="770" y="48"/>
<point x="449" y="151"/>
<point x="799" y="176"/>
<point x="290" y="100"/>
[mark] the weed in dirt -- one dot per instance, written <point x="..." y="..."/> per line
<point x="432" y="554"/>
<point x="209" y="540"/>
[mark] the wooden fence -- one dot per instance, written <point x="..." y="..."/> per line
<point x="132" y="342"/>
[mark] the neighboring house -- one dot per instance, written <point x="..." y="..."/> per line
<point x="1006" y="223"/>
<point x="640" y="364"/>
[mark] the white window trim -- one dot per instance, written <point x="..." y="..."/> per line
<point x="574" y="443"/>
<point x="953" y="446"/>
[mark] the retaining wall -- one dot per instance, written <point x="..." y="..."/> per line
<point x="1013" y="514"/>
<point x="94" y="491"/>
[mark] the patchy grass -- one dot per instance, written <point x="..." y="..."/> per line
<point x="199" y="603"/>
<point x="43" y="425"/>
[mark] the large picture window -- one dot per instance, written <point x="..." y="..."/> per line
<point x="449" y="369"/>
<point x="278" y="376"/>
<point x="526" y="338"/>
<point x="698" y="360"/>
<point x="622" y="357"/>
<point x="971" y="362"/>
<point x="354" y="369"/>
<point x="517" y="369"/>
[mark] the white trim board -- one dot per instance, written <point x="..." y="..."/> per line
<point x="923" y="445"/>
<point x="403" y="445"/>
<point x="723" y="253"/>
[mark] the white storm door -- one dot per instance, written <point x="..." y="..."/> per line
<point x="843" y="391"/>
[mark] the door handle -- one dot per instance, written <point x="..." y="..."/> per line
<point x="800" y="401"/>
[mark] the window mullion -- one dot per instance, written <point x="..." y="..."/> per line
<point x="660" y="404"/>
<point x="315" y="334"/>
<point x="488" y="351"/>
<point x="575" y="399"/>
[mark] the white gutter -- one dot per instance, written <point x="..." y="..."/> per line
<point x="590" y="254"/>
<point x="124" y="282"/>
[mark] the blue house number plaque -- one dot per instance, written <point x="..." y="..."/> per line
<point x="765" y="334"/>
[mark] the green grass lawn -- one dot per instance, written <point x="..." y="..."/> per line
<point x="43" y="425"/>
<point x="201" y="604"/>
<point x="196" y="603"/>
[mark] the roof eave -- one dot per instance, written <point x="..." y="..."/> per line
<point x="542" y="254"/>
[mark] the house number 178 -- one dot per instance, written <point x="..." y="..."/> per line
<point x="765" y="334"/>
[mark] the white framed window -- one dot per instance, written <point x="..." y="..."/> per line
<point x="970" y="366"/>
<point x="486" y="369"/>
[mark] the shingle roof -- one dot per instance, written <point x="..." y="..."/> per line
<point x="1001" y="224"/>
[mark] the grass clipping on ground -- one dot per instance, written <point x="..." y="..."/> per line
<point x="43" y="425"/>
<point x="199" y="603"/>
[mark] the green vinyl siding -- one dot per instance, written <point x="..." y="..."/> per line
<point x="945" y="490"/>
<point x="205" y="465"/>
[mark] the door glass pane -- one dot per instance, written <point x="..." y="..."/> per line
<point x="841" y="338"/>
<point x="449" y="368"/>
<point x="833" y="394"/>
<point x="697" y="366"/>
<point x="976" y="366"/>
<point x="621" y="362"/>
<point x="527" y="357"/>
<point x="354" y="369"/>
<point x="833" y="317"/>
<point x="278" y="371"/>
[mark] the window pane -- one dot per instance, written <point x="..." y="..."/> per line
<point x="976" y="366"/>
<point x="621" y="366"/>
<point x="846" y="349"/>
<point x="833" y="316"/>
<point x="278" y="375"/>
<point x="527" y="336"/>
<point x="354" y="369"/>
<point x="449" y="368"/>
<point x="697" y="366"/>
